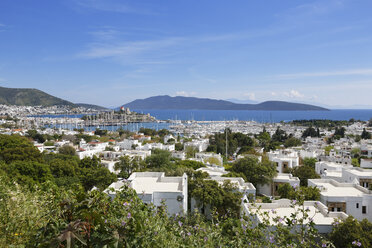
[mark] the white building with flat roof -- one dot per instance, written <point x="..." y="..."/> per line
<point x="360" y="176"/>
<point x="284" y="159"/>
<point x="366" y="150"/>
<point x="281" y="209"/>
<point x="156" y="188"/>
<point x="247" y="189"/>
<point x="332" y="174"/>
<point x="209" y="157"/>
<point x="200" y="145"/>
<point x="345" y="197"/>
<point x="366" y="163"/>
<point x="272" y="188"/>
<point x="213" y="170"/>
<point x="128" y="144"/>
<point x="110" y="165"/>
<point x="179" y="155"/>
<point x="137" y="153"/>
<point x="322" y="166"/>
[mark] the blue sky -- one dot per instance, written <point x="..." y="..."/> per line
<point x="110" y="52"/>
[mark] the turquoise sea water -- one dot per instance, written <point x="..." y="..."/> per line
<point x="221" y="115"/>
<point x="259" y="116"/>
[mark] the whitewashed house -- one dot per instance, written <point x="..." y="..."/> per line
<point x="356" y="175"/>
<point x="127" y="144"/>
<point x="199" y="145"/>
<point x="209" y="157"/>
<point x="247" y="189"/>
<point x="321" y="167"/>
<point x="284" y="159"/>
<point x="281" y="209"/>
<point x="156" y="188"/>
<point x="349" y="198"/>
<point x="271" y="189"/>
<point x="366" y="163"/>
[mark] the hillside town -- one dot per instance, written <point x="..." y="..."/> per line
<point x="329" y="162"/>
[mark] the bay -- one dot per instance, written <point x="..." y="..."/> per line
<point x="258" y="116"/>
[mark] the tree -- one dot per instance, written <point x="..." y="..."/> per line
<point x="292" y="141"/>
<point x="100" y="132"/>
<point x="310" y="162"/>
<point x="365" y="134"/>
<point x="285" y="190"/>
<point x="299" y="193"/>
<point x="264" y="140"/>
<point x="126" y="166"/>
<point x="15" y="147"/>
<point x="99" y="177"/>
<point x="225" y="199"/>
<point x="28" y="172"/>
<point x="217" y="142"/>
<point x="67" y="150"/>
<point x="304" y="173"/>
<point x="35" y="136"/>
<point x="178" y="147"/>
<point x="62" y="168"/>
<point x="309" y="193"/>
<point x="352" y="233"/>
<point x="310" y="131"/>
<point x="340" y="132"/>
<point x="189" y="164"/>
<point x="279" y="135"/>
<point x="253" y="171"/>
<point x="190" y="151"/>
<point x="159" y="158"/>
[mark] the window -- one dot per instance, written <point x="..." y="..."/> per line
<point x="332" y="209"/>
<point x="364" y="209"/>
<point x="338" y="209"/>
<point x="357" y="205"/>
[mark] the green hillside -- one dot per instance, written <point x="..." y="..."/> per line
<point x="29" y="97"/>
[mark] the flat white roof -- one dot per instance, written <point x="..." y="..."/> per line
<point x="150" y="182"/>
<point x="332" y="173"/>
<point x="331" y="189"/>
<point x="361" y="172"/>
<point x="149" y="185"/>
<point x="317" y="211"/>
<point x="213" y="171"/>
<point x="286" y="176"/>
<point x="235" y="181"/>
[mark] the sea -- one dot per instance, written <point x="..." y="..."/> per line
<point x="228" y="115"/>
<point x="258" y="115"/>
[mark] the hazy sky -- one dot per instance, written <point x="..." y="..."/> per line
<point x="109" y="52"/>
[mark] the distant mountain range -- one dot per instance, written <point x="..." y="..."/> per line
<point x="35" y="97"/>
<point x="181" y="102"/>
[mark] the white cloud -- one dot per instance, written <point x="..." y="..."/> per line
<point x="110" y="42"/>
<point x="112" y="6"/>
<point x="184" y="93"/>
<point x="295" y="94"/>
<point x="353" y="72"/>
<point x="287" y="94"/>
<point x="125" y="49"/>
<point x="2" y="27"/>
<point x="106" y="33"/>
<point x="251" y="96"/>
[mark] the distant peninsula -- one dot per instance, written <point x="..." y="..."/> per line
<point x="35" y="97"/>
<point x="194" y="103"/>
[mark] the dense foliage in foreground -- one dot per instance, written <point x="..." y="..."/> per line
<point x="45" y="216"/>
<point x="45" y="202"/>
